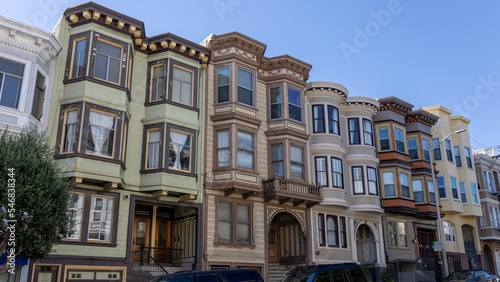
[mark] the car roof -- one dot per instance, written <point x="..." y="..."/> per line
<point x="325" y="266"/>
<point x="197" y="272"/>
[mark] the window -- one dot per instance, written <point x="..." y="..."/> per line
<point x="426" y="144"/>
<point x="405" y="186"/>
<point x="367" y="132"/>
<point x="101" y="133"/>
<point x="494" y="216"/>
<point x="38" y="97"/>
<point x="234" y="223"/>
<point x="337" y="176"/>
<point x="245" y="87"/>
<point x="297" y="162"/>
<point x="157" y="89"/>
<point x="357" y="178"/>
<point x="321" y="171"/>
<point x="277" y="160"/>
<point x="458" y="158"/>
<point x="107" y="61"/>
<point x="400" y="140"/>
<point x="468" y="157"/>
<point x="383" y="135"/>
<point x="354" y="137"/>
<point x="321" y="229"/>
<point x="333" y="120"/>
<point x="182" y="85"/>
<point x="101" y="217"/>
<point x="449" y="154"/>
<point x="412" y="148"/>
<point x="11" y="78"/>
<point x="79" y="57"/>
<point x="441" y="187"/>
<point x="432" y="191"/>
<point x="223" y="151"/>
<point x="388" y="178"/>
<point x="474" y="193"/>
<point x="343" y="233"/>
<point x="489" y="181"/>
<point x="418" y="192"/>
<point x="275" y="102"/>
<point x="397" y="234"/>
<point x="223" y="85"/>
<point x="463" y="193"/>
<point x="454" y="190"/>
<point x="294" y="105"/>
<point x="483" y="217"/>
<point x="75" y="215"/>
<point x="318" y="119"/>
<point x="332" y="231"/>
<point x="180" y="150"/>
<point x="449" y="231"/>
<point x="372" y="180"/>
<point x="69" y="130"/>
<point x="124" y="140"/>
<point x="245" y="150"/>
<point x="153" y="148"/>
<point x="437" y="149"/>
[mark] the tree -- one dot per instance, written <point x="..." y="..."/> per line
<point x="33" y="196"/>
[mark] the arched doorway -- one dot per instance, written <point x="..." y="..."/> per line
<point x="366" y="246"/>
<point x="286" y="240"/>
<point x="487" y="260"/>
<point x="470" y="247"/>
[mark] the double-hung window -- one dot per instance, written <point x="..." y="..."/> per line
<point x="75" y="215"/>
<point x="463" y="193"/>
<point x="412" y="148"/>
<point x="432" y="191"/>
<point x="294" y="104"/>
<point x="337" y="177"/>
<point x="318" y="119"/>
<point x="223" y="149"/>
<point x="372" y="180"/>
<point x="297" y="162"/>
<point x="388" y="178"/>
<point x="182" y="85"/>
<point x="277" y="160"/>
<point x="449" y="231"/>
<point x="153" y="148"/>
<point x="180" y="150"/>
<point x="245" y="156"/>
<point x="454" y="189"/>
<point x="108" y="61"/>
<point x="426" y="144"/>
<point x="332" y="231"/>
<point x="101" y="218"/>
<point x="458" y="157"/>
<point x="437" y="149"/>
<point x="418" y="191"/>
<point x="441" y="187"/>
<point x="157" y="90"/>
<point x="333" y="120"/>
<point x="275" y="102"/>
<point x="234" y="223"/>
<point x="397" y="234"/>
<point x="223" y="85"/>
<point x="357" y="178"/>
<point x="405" y="186"/>
<point x="69" y="130"/>
<point x="245" y="87"/>
<point x="383" y="135"/>
<point x="38" y="97"/>
<point x="353" y="125"/>
<point x="367" y="132"/>
<point x="449" y="154"/>
<point x="400" y="140"/>
<point x="101" y="133"/>
<point x="468" y="157"/>
<point x="321" y="229"/>
<point x="474" y="193"/>
<point x="78" y="56"/>
<point x="321" y="171"/>
<point x="11" y="78"/>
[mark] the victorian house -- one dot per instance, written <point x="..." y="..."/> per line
<point x="487" y="166"/>
<point x="346" y="225"/>
<point x="403" y="139"/>
<point x="126" y="122"/>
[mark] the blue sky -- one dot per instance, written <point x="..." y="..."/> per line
<point x="424" y="52"/>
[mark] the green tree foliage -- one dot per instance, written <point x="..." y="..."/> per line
<point x="41" y="195"/>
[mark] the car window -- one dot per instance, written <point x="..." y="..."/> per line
<point x="337" y="276"/>
<point x="160" y="279"/>
<point x="243" y="276"/>
<point x="207" y="278"/>
<point x="297" y="276"/>
<point x="356" y="274"/>
<point x="323" y="276"/>
<point x="183" y="279"/>
<point x="481" y="274"/>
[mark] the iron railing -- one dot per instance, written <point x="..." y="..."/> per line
<point x="152" y="260"/>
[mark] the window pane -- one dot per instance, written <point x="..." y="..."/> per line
<point x="245" y="149"/>
<point x="295" y="104"/>
<point x="321" y="178"/>
<point x="12" y="68"/>
<point x="245" y="87"/>
<point x="243" y="214"/>
<point x="354" y="137"/>
<point x="296" y="154"/>
<point x="223" y="148"/>
<point x="78" y="58"/>
<point x="391" y="226"/>
<point x="333" y="120"/>
<point x="245" y="79"/>
<point x="11" y="88"/>
<point x="402" y="234"/>
<point x="70" y="131"/>
<point x="224" y="212"/>
<point x="418" y="193"/>
<point x="389" y="184"/>
<point x="182" y="86"/>
<point x="75" y="215"/>
<point x="101" y="132"/>
<point x="318" y="118"/>
<point x="223" y="85"/>
<point x="336" y="173"/>
<point x="100" y="218"/>
<point x="180" y="150"/>
<point x="153" y="149"/>
<point x="275" y="100"/>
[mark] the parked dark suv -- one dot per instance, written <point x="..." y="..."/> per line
<point x="226" y="275"/>
<point x="350" y="272"/>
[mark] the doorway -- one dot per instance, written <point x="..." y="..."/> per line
<point x="286" y="240"/>
<point x="366" y="246"/>
<point x="470" y="247"/>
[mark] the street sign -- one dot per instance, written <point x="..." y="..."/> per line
<point x="437" y="246"/>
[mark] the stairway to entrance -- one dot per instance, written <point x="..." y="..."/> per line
<point x="276" y="271"/>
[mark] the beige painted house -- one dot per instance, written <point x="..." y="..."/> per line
<point x="126" y="121"/>
<point x="458" y="191"/>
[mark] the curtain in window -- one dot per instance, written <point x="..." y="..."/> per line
<point x="177" y="141"/>
<point x="223" y="147"/>
<point x="358" y="180"/>
<point x="153" y="149"/>
<point x="224" y="222"/>
<point x="336" y="173"/>
<point x="100" y="126"/>
<point x="331" y="227"/>
<point x="69" y="142"/>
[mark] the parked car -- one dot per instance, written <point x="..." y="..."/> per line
<point x="349" y="272"/>
<point x="225" y="275"/>
<point x="471" y="275"/>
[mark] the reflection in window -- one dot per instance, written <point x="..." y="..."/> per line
<point x="275" y="102"/>
<point x="297" y="162"/>
<point x="389" y="184"/>
<point x="400" y="140"/>
<point x="337" y="179"/>
<point x="245" y="150"/>
<point x="405" y="186"/>
<point x="107" y="62"/>
<point x="157" y="82"/>
<point x="223" y="85"/>
<point x="245" y="87"/>
<point x="354" y="137"/>
<point x="11" y="78"/>
<point x="367" y="132"/>
<point x="383" y="134"/>
<point x="79" y="49"/>
<point x="294" y="105"/>
<point x="418" y="192"/>
<point x="333" y="120"/>
<point x="357" y="176"/>
<point x="318" y="119"/>
<point x="101" y="212"/>
<point x="182" y="86"/>
<point x="75" y="215"/>
<point x="412" y="148"/>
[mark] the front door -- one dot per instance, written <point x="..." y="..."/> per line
<point x="162" y="244"/>
<point x="141" y="234"/>
<point x="429" y="258"/>
<point x="291" y="249"/>
<point x="272" y="246"/>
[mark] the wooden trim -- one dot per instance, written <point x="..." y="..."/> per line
<point x="124" y="56"/>
<point x="149" y="88"/>
<point x="96" y="268"/>
<point x="160" y="193"/>
<point x="71" y="50"/>
<point x="145" y="139"/>
<point x="59" y="266"/>
<point x="194" y="91"/>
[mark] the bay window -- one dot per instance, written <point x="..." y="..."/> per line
<point x="405" y="186"/>
<point x="388" y="178"/>
<point x="69" y="130"/>
<point x="321" y="229"/>
<point x="297" y="162"/>
<point x="223" y="85"/>
<point x="372" y="180"/>
<point x="353" y="125"/>
<point x="418" y="191"/>
<point x="180" y="150"/>
<point x="78" y="47"/>
<point x="337" y="174"/>
<point x="153" y="148"/>
<point x="367" y="132"/>
<point x="321" y="171"/>
<point x="245" y="156"/>
<point x="357" y="178"/>
<point x="400" y="140"/>
<point x="223" y="150"/>
<point x="275" y="102"/>
<point x="383" y="136"/>
<point x="318" y="119"/>
<point x="245" y="87"/>
<point x="11" y="78"/>
<point x="157" y="88"/>
<point x="182" y="85"/>
<point x="107" y="61"/>
<point x="333" y="120"/>
<point x="294" y="104"/>
<point x="101" y="133"/>
<point x="277" y="160"/>
<point x="332" y="231"/>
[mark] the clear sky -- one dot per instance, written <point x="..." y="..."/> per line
<point x="424" y="52"/>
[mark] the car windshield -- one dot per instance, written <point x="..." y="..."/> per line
<point x="300" y="274"/>
<point x="462" y="275"/>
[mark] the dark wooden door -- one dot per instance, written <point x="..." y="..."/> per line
<point x="163" y="240"/>
<point x="272" y="246"/>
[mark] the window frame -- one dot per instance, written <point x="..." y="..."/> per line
<point x="357" y="132"/>
<point x="368" y="168"/>
<point x="39" y="95"/>
<point x="397" y="233"/>
<point x="413" y="149"/>
<point x="234" y="221"/>
<point x="282" y="160"/>
<point x="393" y="184"/>
<point x="448" y="147"/>
<point x="194" y="88"/>
<point x="65" y="237"/>
<point x="340" y="231"/>
<point x="112" y="216"/>
<point x="454" y="189"/>
<point x="321" y="109"/>
<point x="452" y="231"/>
<point x="463" y="192"/>
<point x="316" y="171"/>
<point x="442" y="187"/>
<point x="413" y="181"/>
<point x="62" y="128"/>
<point x="321" y="230"/>
<point x="217" y="86"/>
<point x="337" y="173"/>
<point x="147" y="130"/>
<point x="408" y="177"/>
<point x="397" y="141"/>
<point x="427" y="153"/>
<point x="254" y="165"/>
<point x="475" y="198"/>
<point x="371" y="143"/>
<point x="468" y="158"/>
<point x="25" y="71"/>
<point x="238" y="85"/>
<point x="354" y="180"/>
<point x="193" y="147"/>
<point x="68" y="74"/>
<point x="216" y="147"/>
<point x="96" y="37"/>
<point x="379" y="128"/>
<point x="280" y="103"/>
<point x="149" y="88"/>
<point x="294" y="105"/>
<point x="432" y="194"/>
<point x="438" y="156"/>
<point x="333" y="123"/>
<point x="458" y="156"/>
<point x="335" y="230"/>
<point x="115" y="139"/>
<point x="303" y="164"/>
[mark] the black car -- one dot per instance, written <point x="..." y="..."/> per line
<point x="471" y="275"/>
<point x="350" y="272"/>
<point x="225" y="275"/>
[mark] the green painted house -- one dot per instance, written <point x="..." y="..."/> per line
<point x="126" y="121"/>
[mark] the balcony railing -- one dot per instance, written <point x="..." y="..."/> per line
<point x="288" y="190"/>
